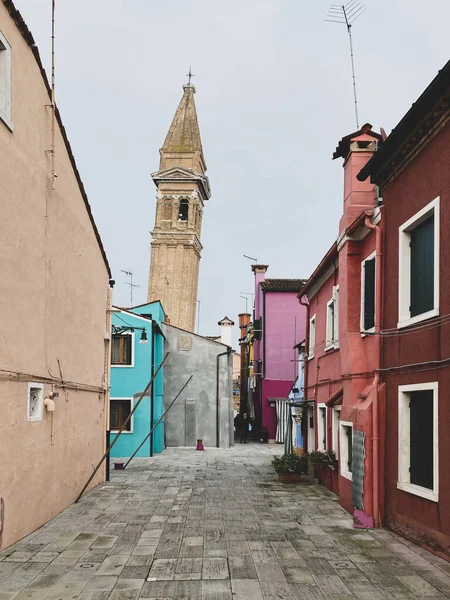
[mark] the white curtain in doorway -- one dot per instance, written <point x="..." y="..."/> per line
<point x="282" y="417"/>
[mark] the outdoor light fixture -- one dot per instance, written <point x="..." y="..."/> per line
<point x="119" y="329"/>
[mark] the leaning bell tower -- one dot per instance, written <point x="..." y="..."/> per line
<point x="182" y="190"/>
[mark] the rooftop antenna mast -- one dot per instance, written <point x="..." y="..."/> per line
<point x="131" y="284"/>
<point x="347" y="15"/>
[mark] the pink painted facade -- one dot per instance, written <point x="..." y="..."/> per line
<point x="53" y="299"/>
<point x="280" y="324"/>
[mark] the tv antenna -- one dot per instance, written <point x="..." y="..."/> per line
<point x="131" y="284"/>
<point x="347" y="14"/>
<point x="250" y="258"/>
<point x="245" y="296"/>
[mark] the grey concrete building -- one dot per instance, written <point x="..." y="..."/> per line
<point x="205" y="409"/>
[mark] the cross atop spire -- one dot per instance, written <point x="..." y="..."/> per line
<point x="189" y="76"/>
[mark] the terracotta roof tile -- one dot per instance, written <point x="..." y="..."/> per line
<point x="283" y="285"/>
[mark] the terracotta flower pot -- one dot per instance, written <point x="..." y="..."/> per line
<point x="289" y="477"/>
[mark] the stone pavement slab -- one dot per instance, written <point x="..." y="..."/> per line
<point x="216" y="525"/>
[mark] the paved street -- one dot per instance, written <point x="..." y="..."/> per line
<point x="214" y="526"/>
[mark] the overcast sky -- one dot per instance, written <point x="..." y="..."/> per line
<point x="274" y="97"/>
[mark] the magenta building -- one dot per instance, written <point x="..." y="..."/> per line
<point x="279" y="322"/>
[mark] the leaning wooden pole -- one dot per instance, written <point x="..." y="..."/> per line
<point x="159" y="421"/>
<point x="143" y="394"/>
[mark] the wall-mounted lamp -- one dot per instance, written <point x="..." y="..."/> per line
<point x="118" y="330"/>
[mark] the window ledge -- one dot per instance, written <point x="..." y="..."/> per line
<point x="367" y="332"/>
<point x="117" y="431"/>
<point x="347" y="474"/>
<point x="122" y="366"/>
<point x="329" y="347"/>
<point x="310" y="356"/>
<point x="417" y="490"/>
<point x="418" y="318"/>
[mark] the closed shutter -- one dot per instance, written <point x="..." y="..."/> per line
<point x="114" y="415"/>
<point x="127" y="349"/>
<point x="422" y="268"/>
<point x="369" y="294"/>
<point x="115" y="349"/>
<point x="421" y="438"/>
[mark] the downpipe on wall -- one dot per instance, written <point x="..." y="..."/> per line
<point x="228" y="352"/>
<point x="376" y="379"/>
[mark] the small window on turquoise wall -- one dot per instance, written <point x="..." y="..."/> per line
<point x="121" y="350"/>
<point x="120" y="411"/>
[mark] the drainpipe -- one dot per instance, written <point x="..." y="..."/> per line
<point x="228" y="352"/>
<point x="152" y="397"/>
<point x="107" y="375"/>
<point x="305" y="371"/>
<point x="376" y="379"/>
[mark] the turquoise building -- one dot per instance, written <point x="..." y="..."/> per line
<point x="137" y="349"/>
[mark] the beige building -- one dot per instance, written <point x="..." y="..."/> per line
<point x="53" y="301"/>
<point x="183" y="189"/>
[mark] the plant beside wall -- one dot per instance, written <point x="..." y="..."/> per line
<point x="323" y="459"/>
<point x="290" y="466"/>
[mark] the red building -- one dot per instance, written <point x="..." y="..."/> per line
<point x="412" y="170"/>
<point x="342" y="388"/>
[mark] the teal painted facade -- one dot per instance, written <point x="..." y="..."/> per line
<point x="128" y="381"/>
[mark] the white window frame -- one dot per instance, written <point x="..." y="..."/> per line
<point x="336" y="416"/>
<point x="311" y="441"/>
<point x="320" y="433"/>
<point x="329" y="341"/>
<point x="404" y="265"/>
<point x="5" y="81"/>
<point x="332" y="335"/>
<point x="336" y="316"/>
<point x="115" y="366"/>
<point x="403" y="482"/>
<point x="364" y="332"/>
<point x="343" y="449"/>
<point x="131" y="408"/>
<point x="40" y="415"/>
<point x="312" y="336"/>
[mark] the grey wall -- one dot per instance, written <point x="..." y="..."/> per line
<point x="193" y="415"/>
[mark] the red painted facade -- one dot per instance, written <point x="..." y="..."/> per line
<point x="391" y="381"/>
<point x="417" y="354"/>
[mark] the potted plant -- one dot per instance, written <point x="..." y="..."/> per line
<point x="323" y="459"/>
<point x="290" y="467"/>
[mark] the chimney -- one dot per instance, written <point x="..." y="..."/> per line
<point x="357" y="149"/>
<point x="226" y="325"/>
<point x="244" y="320"/>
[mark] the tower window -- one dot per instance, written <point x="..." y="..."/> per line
<point x="183" y="212"/>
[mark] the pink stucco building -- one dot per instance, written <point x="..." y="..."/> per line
<point x="279" y="323"/>
<point x="53" y="301"/>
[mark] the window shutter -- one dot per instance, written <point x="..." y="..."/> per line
<point x="369" y="294"/>
<point x="421" y="438"/>
<point x="114" y="414"/>
<point x="422" y="268"/>
<point x="127" y="349"/>
<point x="115" y="349"/>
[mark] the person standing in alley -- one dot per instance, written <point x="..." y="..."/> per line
<point x="244" y="427"/>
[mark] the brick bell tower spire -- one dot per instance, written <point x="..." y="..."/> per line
<point x="183" y="188"/>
